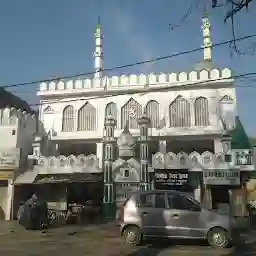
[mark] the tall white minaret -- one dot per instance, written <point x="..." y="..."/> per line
<point x="206" y="28"/>
<point x="98" y="54"/>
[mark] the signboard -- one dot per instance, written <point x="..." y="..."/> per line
<point x="9" y="158"/>
<point x="173" y="178"/>
<point x="69" y="178"/>
<point x="222" y="177"/>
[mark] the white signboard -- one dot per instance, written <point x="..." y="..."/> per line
<point x="222" y="177"/>
<point x="9" y="158"/>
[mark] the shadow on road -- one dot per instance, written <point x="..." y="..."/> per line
<point x="247" y="249"/>
<point x="154" y="248"/>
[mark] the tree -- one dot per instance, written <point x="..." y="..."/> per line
<point x="236" y="6"/>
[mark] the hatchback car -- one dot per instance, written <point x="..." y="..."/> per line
<point x="172" y="214"/>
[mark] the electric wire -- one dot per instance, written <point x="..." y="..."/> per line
<point x="128" y="65"/>
<point x="149" y="89"/>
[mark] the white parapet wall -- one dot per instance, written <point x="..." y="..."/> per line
<point x="175" y="79"/>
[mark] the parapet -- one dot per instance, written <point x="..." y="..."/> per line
<point x="139" y="80"/>
<point x="11" y="116"/>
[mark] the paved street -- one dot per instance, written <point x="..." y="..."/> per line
<point x="101" y="240"/>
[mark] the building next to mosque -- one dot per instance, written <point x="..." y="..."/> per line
<point x="107" y="137"/>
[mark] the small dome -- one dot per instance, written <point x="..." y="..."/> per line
<point x="126" y="138"/>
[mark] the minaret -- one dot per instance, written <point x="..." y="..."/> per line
<point x="98" y="54"/>
<point x="206" y="27"/>
<point x="109" y="146"/>
<point x="144" y="123"/>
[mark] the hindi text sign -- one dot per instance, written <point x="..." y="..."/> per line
<point x="171" y="178"/>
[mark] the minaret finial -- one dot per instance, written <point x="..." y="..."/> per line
<point x="98" y="54"/>
<point x="206" y="27"/>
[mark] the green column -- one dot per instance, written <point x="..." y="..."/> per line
<point x="109" y="205"/>
<point x="145" y="183"/>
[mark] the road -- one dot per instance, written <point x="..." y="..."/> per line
<point x="104" y="241"/>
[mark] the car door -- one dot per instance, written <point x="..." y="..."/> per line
<point x="185" y="218"/>
<point x="153" y="209"/>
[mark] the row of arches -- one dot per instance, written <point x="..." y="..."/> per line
<point x="180" y="111"/>
<point x="87" y="118"/>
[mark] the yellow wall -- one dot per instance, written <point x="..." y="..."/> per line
<point x="251" y="190"/>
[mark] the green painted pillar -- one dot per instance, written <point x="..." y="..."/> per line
<point x="109" y="204"/>
<point x="145" y="183"/>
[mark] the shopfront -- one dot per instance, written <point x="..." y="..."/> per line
<point x="9" y="163"/>
<point x="225" y="191"/>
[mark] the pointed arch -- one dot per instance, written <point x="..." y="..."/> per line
<point x="13" y="116"/>
<point x="111" y="109"/>
<point x="130" y="113"/>
<point x="179" y="112"/>
<point x="5" y="116"/>
<point x="68" y="119"/>
<point x="226" y="98"/>
<point x="227" y="111"/>
<point x="201" y="109"/>
<point x="152" y="110"/>
<point x="87" y="118"/>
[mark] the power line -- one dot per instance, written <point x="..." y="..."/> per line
<point x="130" y="65"/>
<point x="151" y="89"/>
<point x="233" y="44"/>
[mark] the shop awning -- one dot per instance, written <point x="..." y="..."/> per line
<point x="27" y="177"/>
<point x="69" y="178"/>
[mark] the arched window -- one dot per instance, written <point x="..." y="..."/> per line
<point x="201" y="112"/>
<point x="152" y="110"/>
<point x="179" y="112"/>
<point x="111" y="110"/>
<point x="227" y="112"/>
<point x="130" y="113"/>
<point x="68" y="119"/>
<point x="87" y="118"/>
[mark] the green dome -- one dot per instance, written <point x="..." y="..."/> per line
<point x="240" y="139"/>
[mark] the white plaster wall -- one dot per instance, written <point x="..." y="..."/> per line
<point x="18" y="133"/>
<point x="8" y="140"/>
<point x="25" y="134"/>
<point x="53" y="120"/>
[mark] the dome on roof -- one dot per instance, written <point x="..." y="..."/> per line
<point x="126" y="143"/>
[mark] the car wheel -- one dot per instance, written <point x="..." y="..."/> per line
<point x="132" y="235"/>
<point x="218" y="238"/>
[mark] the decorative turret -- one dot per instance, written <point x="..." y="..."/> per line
<point x="144" y="123"/>
<point x="109" y="146"/>
<point x="206" y="27"/>
<point x="126" y="143"/>
<point x="37" y="145"/>
<point x="98" y="54"/>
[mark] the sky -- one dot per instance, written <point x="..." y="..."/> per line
<point x="43" y="39"/>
